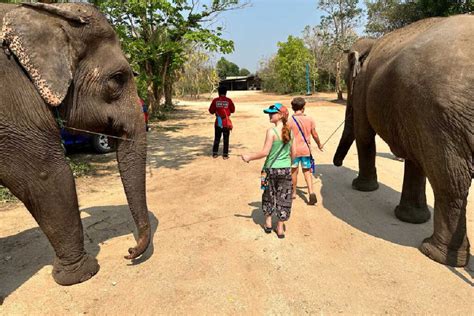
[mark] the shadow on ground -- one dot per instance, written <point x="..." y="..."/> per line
<point x="167" y="149"/>
<point x="27" y="252"/>
<point x="370" y="212"/>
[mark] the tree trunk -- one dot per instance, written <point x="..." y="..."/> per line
<point x="168" y="87"/>
<point x="153" y="93"/>
<point x="338" y="81"/>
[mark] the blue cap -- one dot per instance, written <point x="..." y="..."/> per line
<point x="274" y="108"/>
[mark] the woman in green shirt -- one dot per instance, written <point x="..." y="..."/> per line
<point x="277" y="192"/>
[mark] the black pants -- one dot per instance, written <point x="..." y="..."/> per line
<point x="217" y="139"/>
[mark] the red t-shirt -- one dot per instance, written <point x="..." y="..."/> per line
<point x="222" y="106"/>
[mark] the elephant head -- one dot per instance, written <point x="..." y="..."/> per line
<point x="73" y="57"/>
<point x="355" y="59"/>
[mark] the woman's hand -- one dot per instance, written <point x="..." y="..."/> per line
<point x="245" y="158"/>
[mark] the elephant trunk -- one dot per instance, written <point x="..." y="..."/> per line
<point x="347" y="137"/>
<point x="131" y="157"/>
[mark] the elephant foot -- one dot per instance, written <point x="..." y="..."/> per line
<point x="414" y="215"/>
<point x="441" y="253"/>
<point x="78" y="272"/>
<point x="365" y="185"/>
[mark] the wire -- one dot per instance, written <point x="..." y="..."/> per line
<point x="333" y="133"/>
<point x="100" y="134"/>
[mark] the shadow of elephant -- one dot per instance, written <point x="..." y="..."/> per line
<point x="374" y="213"/>
<point x="27" y="252"/>
<point x="370" y="212"/>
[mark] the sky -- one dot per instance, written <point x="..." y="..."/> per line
<point x="257" y="29"/>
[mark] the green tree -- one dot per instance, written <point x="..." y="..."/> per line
<point x="155" y="35"/>
<point x="285" y="72"/>
<point x="244" y="72"/>
<point x="291" y="60"/>
<point x="226" y="68"/>
<point x="384" y="16"/>
<point x="337" y="30"/>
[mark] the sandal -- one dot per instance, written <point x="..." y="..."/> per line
<point x="215" y="155"/>
<point x="225" y="157"/>
<point x="267" y="230"/>
<point x="282" y="236"/>
<point x="312" y="199"/>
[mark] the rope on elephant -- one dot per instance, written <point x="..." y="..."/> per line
<point x="333" y="133"/>
<point x="100" y="134"/>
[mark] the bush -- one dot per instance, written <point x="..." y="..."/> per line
<point x="6" y="196"/>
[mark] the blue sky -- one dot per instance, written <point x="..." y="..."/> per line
<point x="256" y="30"/>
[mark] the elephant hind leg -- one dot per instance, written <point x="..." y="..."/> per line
<point x="413" y="208"/>
<point x="50" y="196"/>
<point x="449" y="243"/>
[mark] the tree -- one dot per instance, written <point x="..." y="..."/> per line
<point x="226" y="68"/>
<point x="291" y="60"/>
<point x="384" y="16"/>
<point x="197" y="75"/>
<point x="337" y="29"/>
<point x="286" y="71"/>
<point x="156" y="33"/>
<point x="244" y="72"/>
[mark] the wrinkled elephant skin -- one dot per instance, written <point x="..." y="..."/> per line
<point x="414" y="88"/>
<point x="66" y="57"/>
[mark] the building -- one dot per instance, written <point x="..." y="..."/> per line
<point x="250" y="82"/>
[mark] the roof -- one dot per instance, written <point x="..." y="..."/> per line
<point x="237" y="77"/>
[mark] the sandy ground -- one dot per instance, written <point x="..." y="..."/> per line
<point x="348" y="254"/>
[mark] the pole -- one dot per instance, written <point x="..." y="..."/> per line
<point x="308" y="84"/>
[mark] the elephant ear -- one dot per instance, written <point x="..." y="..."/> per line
<point x="354" y="63"/>
<point x="36" y="35"/>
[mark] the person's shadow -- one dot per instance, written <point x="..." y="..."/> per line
<point x="25" y="253"/>
<point x="256" y="214"/>
<point x="370" y="212"/>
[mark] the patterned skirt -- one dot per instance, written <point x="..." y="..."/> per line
<point x="277" y="197"/>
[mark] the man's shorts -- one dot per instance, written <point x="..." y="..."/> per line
<point x="305" y="162"/>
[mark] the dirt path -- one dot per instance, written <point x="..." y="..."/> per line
<point x="348" y="254"/>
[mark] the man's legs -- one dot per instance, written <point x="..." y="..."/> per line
<point x="217" y="140"/>
<point x="308" y="177"/>
<point x="226" y="133"/>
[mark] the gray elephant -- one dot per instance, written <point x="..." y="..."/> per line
<point x="65" y="61"/>
<point x="414" y="88"/>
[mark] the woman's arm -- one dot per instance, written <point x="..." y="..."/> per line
<point x="265" y="150"/>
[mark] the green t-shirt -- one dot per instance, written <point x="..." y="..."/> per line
<point x="284" y="159"/>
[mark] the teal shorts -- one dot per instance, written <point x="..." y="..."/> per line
<point x="305" y="162"/>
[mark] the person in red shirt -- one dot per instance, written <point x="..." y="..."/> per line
<point x="222" y="107"/>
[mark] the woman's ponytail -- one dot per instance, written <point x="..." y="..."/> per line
<point x="285" y="131"/>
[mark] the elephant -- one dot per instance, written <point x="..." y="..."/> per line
<point x="414" y="88"/>
<point x="64" y="63"/>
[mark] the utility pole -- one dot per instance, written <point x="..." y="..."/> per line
<point x="308" y="84"/>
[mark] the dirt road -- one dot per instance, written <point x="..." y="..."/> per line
<point x="348" y="254"/>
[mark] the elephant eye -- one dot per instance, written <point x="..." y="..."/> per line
<point x="115" y="84"/>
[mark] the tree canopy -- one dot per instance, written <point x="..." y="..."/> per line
<point x="384" y="16"/>
<point x="226" y="68"/>
<point x="155" y="36"/>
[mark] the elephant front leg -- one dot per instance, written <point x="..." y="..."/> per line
<point x="413" y="207"/>
<point x="367" y="178"/>
<point x="51" y="198"/>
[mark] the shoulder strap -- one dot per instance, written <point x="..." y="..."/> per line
<point x="301" y="131"/>
<point x="276" y="133"/>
